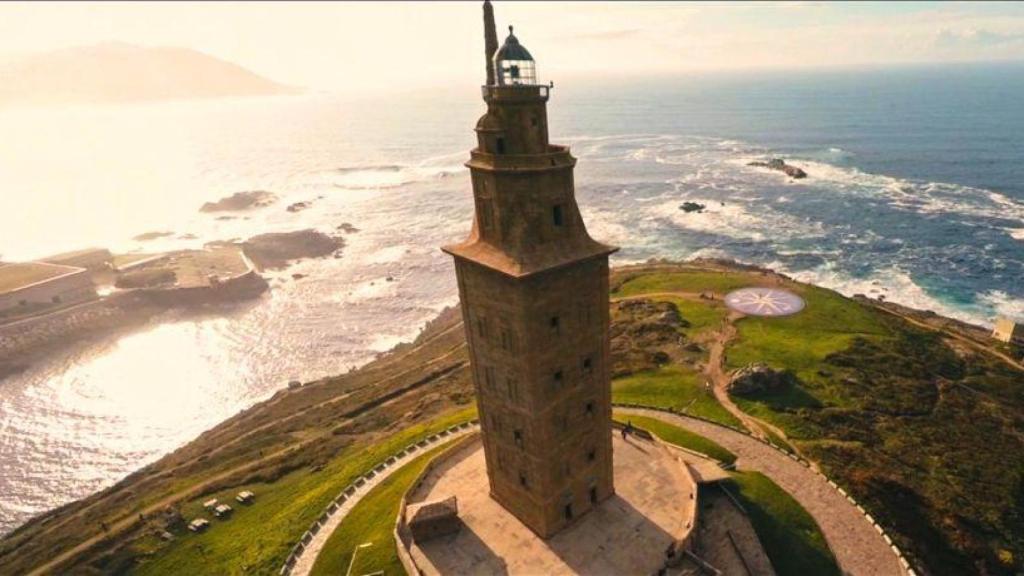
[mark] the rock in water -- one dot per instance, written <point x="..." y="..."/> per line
<point x="151" y="236"/>
<point x="241" y="201"/>
<point x="780" y="165"/>
<point x="692" y="207"/>
<point x="276" y="250"/>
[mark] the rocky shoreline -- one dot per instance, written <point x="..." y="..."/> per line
<point x="149" y="285"/>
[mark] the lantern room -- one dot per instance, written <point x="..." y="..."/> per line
<point x="513" y="64"/>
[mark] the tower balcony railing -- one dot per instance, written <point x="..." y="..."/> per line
<point x="515" y="91"/>
<point x="555" y="157"/>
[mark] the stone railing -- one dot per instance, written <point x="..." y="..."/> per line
<point x="904" y="563"/>
<point x="403" y="536"/>
<point x="398" y="458"/>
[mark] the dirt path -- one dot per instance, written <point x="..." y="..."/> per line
<point x="858" y="547"/>
<point x="715" y="369"/>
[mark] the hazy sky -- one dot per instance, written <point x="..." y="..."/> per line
<point x="370" y="46"/>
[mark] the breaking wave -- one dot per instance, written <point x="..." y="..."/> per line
<point x="390" y="175"/>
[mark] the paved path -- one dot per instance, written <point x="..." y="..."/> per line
<point x="304" y="565"/>
<point x="858" y="547"/>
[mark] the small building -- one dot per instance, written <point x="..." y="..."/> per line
<point x="245" y="497"/>
<point x="199" y="524"/>
<point x="210" y="504"/>
<point x="1007" y="330"/>
<point x="222" y="511"/>
<point x="32" y="286"/>
<point x="433" y="519"/>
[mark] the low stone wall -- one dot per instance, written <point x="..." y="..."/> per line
<point x="398" y="458"/>
<point x="241" y="287"/>
<point x="684" y="543"/>
<point x="22" y="336"/>
<point x="403" y="536"/>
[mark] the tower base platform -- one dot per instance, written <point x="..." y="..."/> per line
<point x="652" y="512"/>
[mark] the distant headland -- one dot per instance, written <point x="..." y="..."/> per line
<point x="115" y="72"/>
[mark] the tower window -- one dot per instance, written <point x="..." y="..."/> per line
<point x="518" y="435"/>
<point x="556" y="214"/>
<point x="522" y="480"/>
<point x="558" y="377"/>
<point x="489" y="377"/>
<point x="591" y="455"/>
<point x="568" y="511"/>
<point x="588" y="365"/>
<point x="593" y="494"/>
<point x="481" y="327"/>
<point x="590" y="409"/>
<point x="554" y="323"/>
<point x="501" y="145"/>
<point x="533" y="121"/>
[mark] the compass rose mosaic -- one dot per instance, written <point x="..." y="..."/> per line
<point x="764" y="302"/>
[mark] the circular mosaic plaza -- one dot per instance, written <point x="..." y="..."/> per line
<point x="764" y="302"/>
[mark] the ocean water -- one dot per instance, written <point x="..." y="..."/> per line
<point x="915" y="192"/>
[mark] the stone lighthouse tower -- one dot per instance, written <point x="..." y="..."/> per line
<point x="534" y="291"/>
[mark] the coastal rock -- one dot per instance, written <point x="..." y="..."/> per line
<point x="347" y="228"/>
<point x="241" y="201"/>
<point x="644" y="335"/>
<point x="277" y="249"/>
<point x="780" y="165"/>
<point x="758" y="378"/>
<point x="151" y="236"/>
<point x="692" y="207"/>
<point x="299" y="206"/>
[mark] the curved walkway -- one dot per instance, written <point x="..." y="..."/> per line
<point x="859" y="547"/>
<point x="313" y="541"/>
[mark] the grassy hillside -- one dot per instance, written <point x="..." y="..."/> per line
<point x="295" y="451"/>
<point x="372" y="521"/>
<point x="924" y="427"/>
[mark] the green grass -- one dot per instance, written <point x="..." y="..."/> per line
<point x="695" y="281"/>
<point x="701" y="314"/>
<point x="257" y="538"/>
<point x="372" y="521"/>
<point x="678" y="436"/>
<point x="790" y="536"/>
<point x="674" y="388"/>
<point x="801" y="342"/>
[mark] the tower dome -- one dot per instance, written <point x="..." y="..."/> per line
<point x="513" y="63"/>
